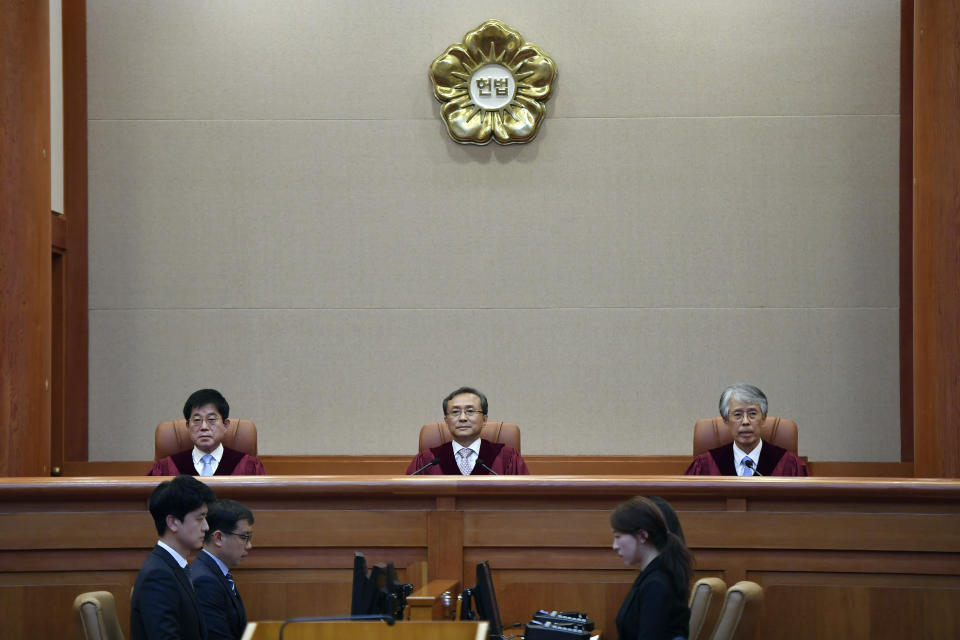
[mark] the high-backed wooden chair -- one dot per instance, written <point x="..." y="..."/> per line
<point x="173" y="437"/>
<point x="741" y="612"/>
<point x="97" y="614"/>
<point x="711" y="433"/>
<point x="435" y="434"/>
<point x="706" y="600"/>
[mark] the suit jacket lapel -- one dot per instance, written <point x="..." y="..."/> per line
<point x="234" y="598"/>
<point x="181" y="576"/>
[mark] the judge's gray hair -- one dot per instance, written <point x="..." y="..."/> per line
<point x="744" y="393"/>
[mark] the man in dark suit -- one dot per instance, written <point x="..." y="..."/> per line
<point x="225" y="545"/>
<point x="163" y="605"/>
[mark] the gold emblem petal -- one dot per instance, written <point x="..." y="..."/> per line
<point x="521" y="121"/>
<point x="466" y="122"/>
<point x="490" y="46"/>
<point x="534" y="72"/>
<point x="451" y="73"/>
<point x="500" y="132"/>
<point x="493" y="41"/>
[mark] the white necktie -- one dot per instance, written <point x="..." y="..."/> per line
<point x="747" y="466"/>
<point x="464" y="461"/>
<point x="207" y="469"/>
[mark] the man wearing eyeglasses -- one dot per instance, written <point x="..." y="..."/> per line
<point x="743" y="408"/>
<point x="465" y="413"/>
<point x="208" y="418"/>
<point x="226" y="543"/>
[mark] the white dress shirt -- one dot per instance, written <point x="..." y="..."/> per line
<point x="176" y="556"/>
<point x="198" y="456"/>
<point x="474" y="446"/>
<point x="739" y="455"/>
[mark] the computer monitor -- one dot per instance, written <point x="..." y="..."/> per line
<point x="379" y="592"/>
<point x="486" y="601"/>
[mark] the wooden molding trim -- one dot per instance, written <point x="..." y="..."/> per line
<point x="540" y="465"/>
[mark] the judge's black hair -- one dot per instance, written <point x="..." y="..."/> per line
<point x="483" y="398"/>
<point x="202" y="398"/>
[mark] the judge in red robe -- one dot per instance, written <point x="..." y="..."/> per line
<point x="774" y="461"/>
<point x="207" y="414"/>
<point x="465" y="413"/>
<point x="231" y="463"/>
<point x="744" y="409"/>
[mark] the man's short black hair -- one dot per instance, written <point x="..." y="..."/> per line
<point x="483" y="398"/>
<point x="177" y="498"/>
<point x="224" y="515"/>
<point x="204" y="397"/>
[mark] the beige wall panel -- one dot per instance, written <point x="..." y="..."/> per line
<point x="719" y="212"/>
<point x="276" y="210"/>
<point x="592" y="381"/>
<point x="304" y="59"/>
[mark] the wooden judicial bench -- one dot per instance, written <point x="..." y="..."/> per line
<point x="851" y="558"/>
<point x="339" y="630"/>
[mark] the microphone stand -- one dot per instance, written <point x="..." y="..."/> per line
<point x="749" y="464"/>
<point x="432" y="463"/>
<point x="484" y="465"/>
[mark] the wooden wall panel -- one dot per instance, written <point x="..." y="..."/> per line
<point x="936" y="236"/>
<point x="547" y="539"/>
<point x="861" y="607"/>
<point x="72" y="429"/>
<point x="906" y="230"/>
<point x="25" y="265"/>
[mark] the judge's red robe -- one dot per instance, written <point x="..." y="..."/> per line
<point x="774" y="461"/>
<point x="233" y="463"/>
<point x="503" y="459"/>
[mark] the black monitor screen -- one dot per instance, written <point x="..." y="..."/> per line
<point x="377" y="592"/>
<point x="486" y="599"/>
<point x="361" y="600"/>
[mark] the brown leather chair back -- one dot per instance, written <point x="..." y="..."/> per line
<point x="706" y="600"/>
<point x="741" y="612"/>
<point x="711" y="433"/>
<point x="435" y="434"/>
<point x="97" y="613"/>
<point x="173" y="437"/>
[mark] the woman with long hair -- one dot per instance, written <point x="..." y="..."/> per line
<point x="656" y="607"/>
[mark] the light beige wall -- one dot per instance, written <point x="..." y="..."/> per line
<point x="276" y="210"/>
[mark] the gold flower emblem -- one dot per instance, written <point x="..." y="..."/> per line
<point x="493" y="84"/>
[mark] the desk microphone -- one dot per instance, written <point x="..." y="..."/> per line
<point x="484" y="465"/>
<point x="376" y="616"/>
<point x="748" y="463"/>
<point x="432" y="463"/>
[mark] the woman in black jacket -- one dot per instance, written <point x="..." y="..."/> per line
<point x="656" y="607"/>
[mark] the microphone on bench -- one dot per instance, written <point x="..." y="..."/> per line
<point x="432" y="463"/>
<point x="484" y="465"/>
<point x="749" y="464"/>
